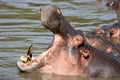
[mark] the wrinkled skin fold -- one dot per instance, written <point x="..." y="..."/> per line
<point x="68" y="53"/>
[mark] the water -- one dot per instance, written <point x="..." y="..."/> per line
<point x="20" y="27"/>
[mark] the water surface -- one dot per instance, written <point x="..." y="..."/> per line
<point x="20" y="27"/>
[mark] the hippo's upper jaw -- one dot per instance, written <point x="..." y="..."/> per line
<point x="62" y="56"/>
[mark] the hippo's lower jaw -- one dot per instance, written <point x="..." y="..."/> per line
<point x="33" y="65"/>
<point x="27" y="67"/>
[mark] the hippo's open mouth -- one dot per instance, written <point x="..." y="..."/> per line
<point x="62" y="54"/>
<point x="33" y="65"/>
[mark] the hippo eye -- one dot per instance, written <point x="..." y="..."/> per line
<point x="112" y="32"/>
<point x="81" y="50"/>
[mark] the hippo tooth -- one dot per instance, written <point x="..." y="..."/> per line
<point x="23" y="59"/>
<point x="29" y="54"/>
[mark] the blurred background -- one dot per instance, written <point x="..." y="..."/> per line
<point x="20" y="27"/>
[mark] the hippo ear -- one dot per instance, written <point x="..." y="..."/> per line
<point x="59" y="12"/>
<point x="99" y="31"/>
<point x="108" y="49"/>
<point x="78" y="40"/>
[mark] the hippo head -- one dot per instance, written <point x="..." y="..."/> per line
<point x="62" y="57"/>
<point x="114" y="4"/>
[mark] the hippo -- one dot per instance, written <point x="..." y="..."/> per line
<point x="68" y="53"/>
<point x="102" y="44"/>
<point x="109" y="32"/>
<point x="107" y="37"/>
<point x="115" y="5"/>
<point x="114" y="30"/>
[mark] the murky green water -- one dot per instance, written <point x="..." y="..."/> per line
<point x="20" y="27"/>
